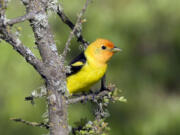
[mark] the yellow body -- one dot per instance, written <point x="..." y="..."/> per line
<point x="86" y="77"/>
<point x="97" y="55"/>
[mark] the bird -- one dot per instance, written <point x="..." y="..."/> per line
<point x="90" y="66"/>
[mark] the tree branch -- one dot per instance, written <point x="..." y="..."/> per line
<point x="90" y="97"/>
<point x="68" y="22"/>
<point x="16" y="43"/>
<point x="76" y="28"/>
<point x="27" y="16"/>
<point x="34" y="124"/>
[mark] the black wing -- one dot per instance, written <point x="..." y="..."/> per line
<point x="75" y="69"/>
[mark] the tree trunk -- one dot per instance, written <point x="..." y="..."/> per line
<point x="57" y="111"/>
<point x="54" y="66"/>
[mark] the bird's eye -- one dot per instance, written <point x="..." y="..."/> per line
<point x="103" y="47"/>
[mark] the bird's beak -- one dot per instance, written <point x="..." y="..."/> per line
<point x="115" y="49"/>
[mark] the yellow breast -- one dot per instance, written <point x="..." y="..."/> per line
<point x="85" y="78"/>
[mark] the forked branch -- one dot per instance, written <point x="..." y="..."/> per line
<point x="76" y="30"/>
<point x="16" y="43"/>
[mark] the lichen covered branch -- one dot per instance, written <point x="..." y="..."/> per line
<point x="91" y="96"/>
<point x="27" y="16"/>
<point x="16" y="43"/>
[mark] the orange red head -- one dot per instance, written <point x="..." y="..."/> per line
<point x="101" y="50"/>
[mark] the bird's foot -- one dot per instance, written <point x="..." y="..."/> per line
<point x="104" y="88"/>
<point x="91" y="91"/>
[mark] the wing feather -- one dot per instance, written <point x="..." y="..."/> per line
<point x="76" y="64"/>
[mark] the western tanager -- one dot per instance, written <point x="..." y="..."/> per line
<point x="90" y="66"/>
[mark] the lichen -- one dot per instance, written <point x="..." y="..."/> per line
<point x="53" y="47"/>
<point x="41" y="20"/>
<point x="34" y="93"/>
<point x="51" y="63"/>
<point x="62" y="86"/>
<point x="52" y="5"/>
<point x="52" y="98"/>
<point x="67" y="69"/>
<point x="97" y="127"/>
<point x="29" y="52"/>
<point x="18" y="42"/>
<point x="39" y="92"/>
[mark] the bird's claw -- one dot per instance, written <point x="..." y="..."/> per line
<point x="104" y="88"/>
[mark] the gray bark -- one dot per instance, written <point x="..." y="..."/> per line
<point x="54" y="77"/>
<point x="50" y="66"/>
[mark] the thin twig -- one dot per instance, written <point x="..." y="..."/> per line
<point x="31" y="98"/>
<point x="34" y="124"/>
<point x="76" y="28"/>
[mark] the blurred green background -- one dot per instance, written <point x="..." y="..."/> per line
<point x="147" y="71"/>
